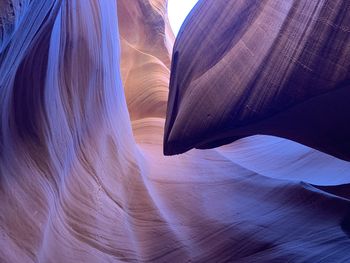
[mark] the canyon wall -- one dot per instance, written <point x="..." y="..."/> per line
<point x="83" y="177"/>
<point x="242" y="68"/>
<point x="146" y="41"/>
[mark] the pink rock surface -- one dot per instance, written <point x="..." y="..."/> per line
<point x="81" y="181"/>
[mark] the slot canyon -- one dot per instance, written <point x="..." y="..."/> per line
<point x="120" y="142"/>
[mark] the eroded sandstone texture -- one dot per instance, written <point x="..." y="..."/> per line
<point x="146" y="41"/>
<point x="82" y="173"/>
<point x="262" y="67"/>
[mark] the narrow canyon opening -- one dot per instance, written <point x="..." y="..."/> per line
<point x="178" y="10"/>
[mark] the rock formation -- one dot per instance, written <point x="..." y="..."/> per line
<point x="82" y="173"/>
<point x="146" y="41"/>
<point x="262" y="67"/>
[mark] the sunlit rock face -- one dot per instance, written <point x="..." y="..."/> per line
<point x="262" y="67"/>
<point x="82" y="173"/>
<point x="146" y="41"/>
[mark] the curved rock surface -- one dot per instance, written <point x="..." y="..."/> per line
<point x="262" y="67"/>
<point x="146" y="42"/>
<point x="83" y="178"/>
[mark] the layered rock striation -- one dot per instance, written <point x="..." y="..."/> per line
<point x="261" y="67"/>
<point x="82" y="173"/>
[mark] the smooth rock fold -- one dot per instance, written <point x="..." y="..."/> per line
<point x="242" y="68"/>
